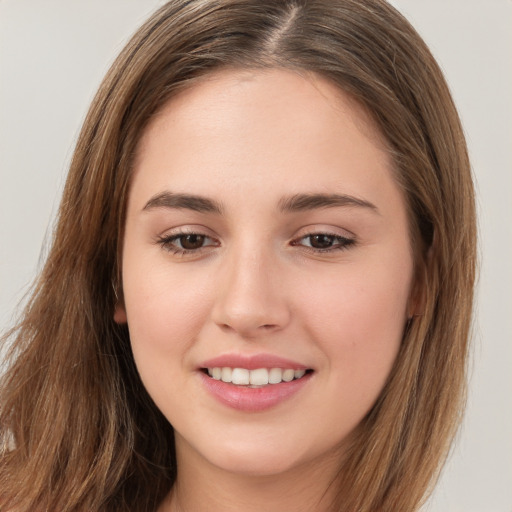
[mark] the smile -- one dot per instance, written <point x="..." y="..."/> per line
<point x="255" y="378"/>
<point x="255" y="390"/>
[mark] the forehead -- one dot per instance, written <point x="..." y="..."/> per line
<point x="213" y="98"/>
<point x="276" y="129"/>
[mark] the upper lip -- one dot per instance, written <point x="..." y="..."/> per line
<point x="252" y="362"/>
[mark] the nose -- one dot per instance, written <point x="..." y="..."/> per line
<point x="251" y="297"/>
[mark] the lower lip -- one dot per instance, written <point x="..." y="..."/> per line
<point x="253" y="399"/>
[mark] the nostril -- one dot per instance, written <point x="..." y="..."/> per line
<point x="247" y="329"/>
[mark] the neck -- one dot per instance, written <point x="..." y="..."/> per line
<point x="201" y="487"/>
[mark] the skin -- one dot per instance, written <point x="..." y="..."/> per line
<point x="248" y="140"/>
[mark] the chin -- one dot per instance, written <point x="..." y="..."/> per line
<point x="265" y="458"/>
<point x="264" y="464"/>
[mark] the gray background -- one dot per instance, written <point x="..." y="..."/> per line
<point x="53" y="54"/>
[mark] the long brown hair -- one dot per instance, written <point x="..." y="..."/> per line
<point x="78" y="429"/>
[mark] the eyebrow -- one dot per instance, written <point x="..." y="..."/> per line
<point x="184" y="201"/>
<point x="305" y="202"/>
<point x="295" y="203"/>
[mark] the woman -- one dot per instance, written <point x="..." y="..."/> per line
<point x="266" y="241"/>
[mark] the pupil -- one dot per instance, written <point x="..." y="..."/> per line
<point x="192" y="241"/>
<point x="321" y="241"/>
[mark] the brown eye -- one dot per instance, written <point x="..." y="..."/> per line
<point x="321" y="241"/>
<point x="186" y="243"/>
<point x="324" y="242"/>
<point x="191" y="242"/>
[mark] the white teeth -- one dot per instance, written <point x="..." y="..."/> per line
<point x="259" y="377"/>
<point x="225" y="376"/>
<point x="288" y="375"/>
<point x="275" y="376"/>
<point x="240" y="376"/>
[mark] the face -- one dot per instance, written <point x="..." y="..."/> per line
<point x="266" y="269"/>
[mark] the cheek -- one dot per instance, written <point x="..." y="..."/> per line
<point x="165" y="314"/>
<point x="358" y="323"/>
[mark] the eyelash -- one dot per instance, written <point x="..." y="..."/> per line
<point x="340" y="243"/>
<point x="167" y="243"/>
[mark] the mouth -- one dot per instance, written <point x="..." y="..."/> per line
<point x="254" y="382"/>
<point x="255" y="378"/>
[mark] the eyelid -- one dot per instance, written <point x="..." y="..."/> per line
<point x="186" y="229"/>
<point x="345" y="240"/>
<point x="326" y="229"/>
<point x="342" y="240"/>
<point x="341" y="244"/>
<point x="166" y="239"/>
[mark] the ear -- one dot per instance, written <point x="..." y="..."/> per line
<point x="120" y="314"/>
<point x="418" y="297"/>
